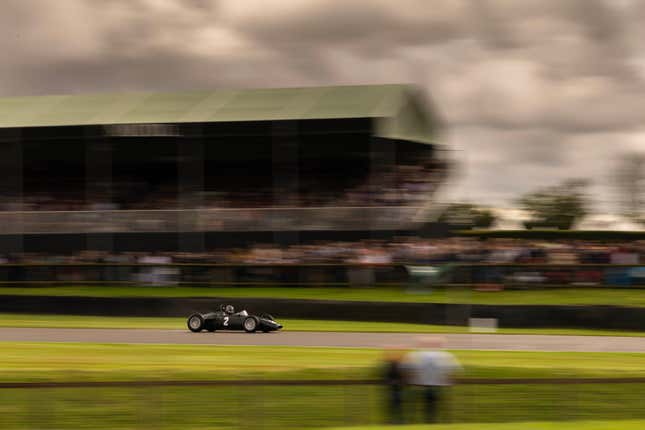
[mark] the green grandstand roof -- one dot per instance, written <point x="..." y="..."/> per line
<point x="399" y="110"/>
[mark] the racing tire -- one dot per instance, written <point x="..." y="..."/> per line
<point x="195" y="323"/>
<point x="250" y="324"/>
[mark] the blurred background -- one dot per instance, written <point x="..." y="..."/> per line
<point x="391" y="168"/>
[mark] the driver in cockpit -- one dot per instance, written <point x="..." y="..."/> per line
<point x="230" y="310"/>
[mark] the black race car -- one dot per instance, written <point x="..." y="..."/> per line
<point x="227" y="319"/>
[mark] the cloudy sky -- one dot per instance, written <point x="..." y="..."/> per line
<point x="532" y="91"/>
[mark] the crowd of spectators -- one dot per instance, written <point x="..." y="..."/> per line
<point x="401" y="250"/>
<point x="405" y="185"/>
<point x="402" y="185"/>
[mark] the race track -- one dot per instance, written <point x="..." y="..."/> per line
<point x="327" y="339"/>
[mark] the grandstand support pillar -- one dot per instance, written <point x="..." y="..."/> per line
<point x="381" y="177"/>
<point x="286" y="180"/>
<point x="99" y="192"/>
<point x="11" y="189"/>
<point x="190" y="189"/>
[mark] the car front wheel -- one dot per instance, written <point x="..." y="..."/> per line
<point x="250" y="324"/>
<point x="195" y="323"/>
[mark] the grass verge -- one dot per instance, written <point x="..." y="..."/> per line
<point x="560" y="296"/>
<point x="26" y="361"/>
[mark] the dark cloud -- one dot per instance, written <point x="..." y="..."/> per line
<point x="356" y="22"/>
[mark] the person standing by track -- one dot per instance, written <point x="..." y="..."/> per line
<point x="394" y="378"/>
<point x="432" y="371"/>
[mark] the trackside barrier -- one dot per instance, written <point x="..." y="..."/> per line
<point x="507" y="316"/>
<point x="484" y="276"/>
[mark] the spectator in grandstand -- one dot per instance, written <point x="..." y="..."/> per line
<point x="120" y="271"/>
<point x="504" y="251"/>
<point x="401" y="250"/>
<point x="404" y="184"/>
<point x="372" y="253"/>
<point x="624" y="255"/>
<point x="155" y="273"/>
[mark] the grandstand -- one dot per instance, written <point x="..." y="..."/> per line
<point x="324" y="159"/>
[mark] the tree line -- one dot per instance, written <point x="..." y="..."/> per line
<point x="564" y="205"/>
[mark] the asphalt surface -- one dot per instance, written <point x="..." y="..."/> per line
<point x="327" y="339"/>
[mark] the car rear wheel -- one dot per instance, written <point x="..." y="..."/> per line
<point x="250" y="324"/>
<point x="195" y="323"/>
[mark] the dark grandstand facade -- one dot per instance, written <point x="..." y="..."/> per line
<point x="193" y="171"/>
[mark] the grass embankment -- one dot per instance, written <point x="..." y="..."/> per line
<point x="170" y="323"/>
<point x="555" y="296"/>
<point x="293" y="407"/>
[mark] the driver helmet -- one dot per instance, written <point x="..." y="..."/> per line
<point x="229" y="309"/>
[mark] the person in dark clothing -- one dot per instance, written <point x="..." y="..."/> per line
<point x="394" y="379"/>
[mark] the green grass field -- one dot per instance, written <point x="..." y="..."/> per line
<point x="171" y="323"/>
<point x="570" y="296"/>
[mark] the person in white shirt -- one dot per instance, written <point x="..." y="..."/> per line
<point x="432" y="370"/>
